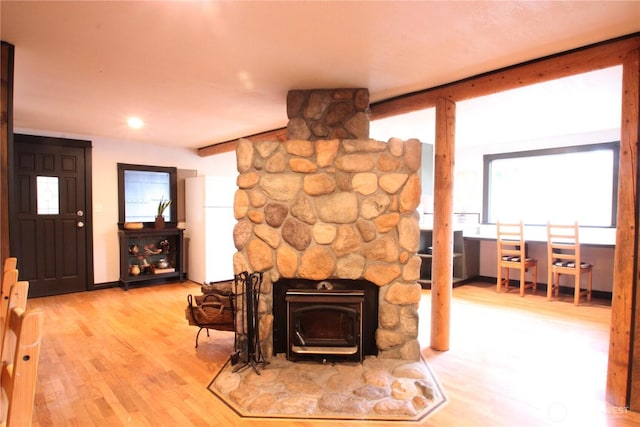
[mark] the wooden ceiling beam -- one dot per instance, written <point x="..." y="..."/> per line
<point x="226" y="146"/>
<point x="582" y="60"/>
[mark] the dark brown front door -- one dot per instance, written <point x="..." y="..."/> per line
<point x="50" y="222"/>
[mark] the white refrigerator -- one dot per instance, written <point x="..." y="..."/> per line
<point x="209" y="227"/>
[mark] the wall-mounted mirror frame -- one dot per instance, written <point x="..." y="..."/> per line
<point x="140" y="189"/>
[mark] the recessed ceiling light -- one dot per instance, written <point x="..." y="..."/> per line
<point x="135" y="122"/>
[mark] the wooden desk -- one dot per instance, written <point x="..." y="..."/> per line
<point x="597" y="237"/>
<point x="598" y="248"/>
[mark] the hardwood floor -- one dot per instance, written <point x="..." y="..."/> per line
<point x="113" y="358"/>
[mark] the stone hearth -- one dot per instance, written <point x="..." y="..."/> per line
<point x="376" y="390"/>
<point x="333" y="208"/>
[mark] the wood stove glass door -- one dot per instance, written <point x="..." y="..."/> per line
<point x="324" y="327"/>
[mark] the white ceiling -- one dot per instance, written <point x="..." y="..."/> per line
<point x="580" y="104"/>
<point x="202" y="72"/>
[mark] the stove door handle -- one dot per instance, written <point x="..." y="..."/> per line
<point x="300" y="338"/>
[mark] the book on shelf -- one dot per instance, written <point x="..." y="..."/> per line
<point x="164" y="270"/>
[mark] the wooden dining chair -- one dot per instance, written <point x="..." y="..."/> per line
<point x="19" y="371"/>
<point x="17" y="299"/>
<point x="9" y="278"/>
<point x="564" y="257"/>
<point x="10" y="263"/>
<point x="512" y="254"/>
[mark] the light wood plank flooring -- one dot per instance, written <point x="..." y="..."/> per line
<point x="113" y="358"/>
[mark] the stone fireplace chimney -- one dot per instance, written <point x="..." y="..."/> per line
<point x="330" y="203"/>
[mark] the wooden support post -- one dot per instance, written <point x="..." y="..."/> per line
<point x="442" y="278"/>
<point x="623" y="374"/>
<point x="6" y="137"/>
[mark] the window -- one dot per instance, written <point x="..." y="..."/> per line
<point x="140" y="190"/>
<point x="48" y="201"/>
<point x="143" y="190"/>
<point x="560" y="184"/>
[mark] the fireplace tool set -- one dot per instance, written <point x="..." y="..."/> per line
<point x="246" y="297"/>
<point x="230" y="306"/>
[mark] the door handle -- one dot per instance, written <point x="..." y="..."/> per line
<point x="80" y="224"/>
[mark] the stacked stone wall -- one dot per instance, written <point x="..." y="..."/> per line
<point x="328" y="114"/>
<point x="334" y="209"/>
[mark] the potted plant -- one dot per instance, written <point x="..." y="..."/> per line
<point x="162" y="206"/>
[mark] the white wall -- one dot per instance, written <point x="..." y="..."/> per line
<point x="106" y="153"/>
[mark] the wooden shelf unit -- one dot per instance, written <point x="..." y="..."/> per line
<point x="149" y="249"/>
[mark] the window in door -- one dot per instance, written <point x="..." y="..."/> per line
<point x="48" y="201"/>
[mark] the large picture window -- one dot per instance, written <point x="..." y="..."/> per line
<point x="560" y="185"/>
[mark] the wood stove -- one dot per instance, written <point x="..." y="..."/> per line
<point x="325" y="323"/>
<point x="329" y="320"/>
